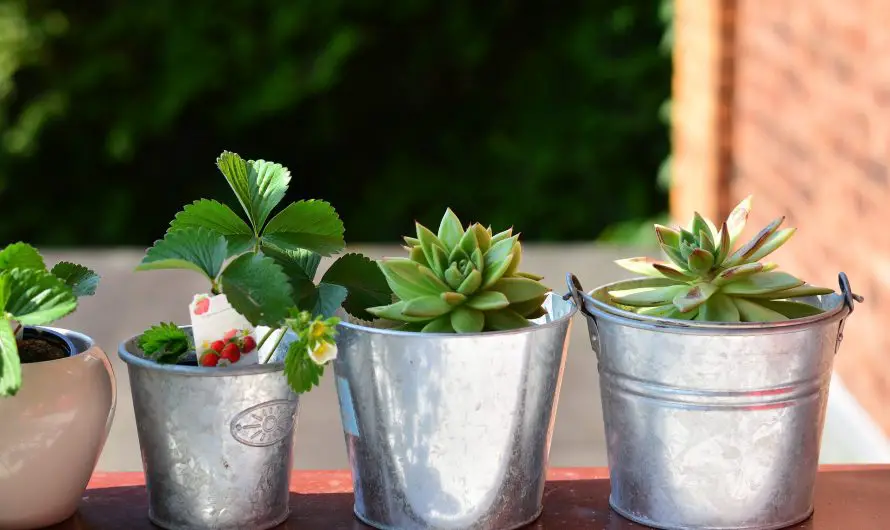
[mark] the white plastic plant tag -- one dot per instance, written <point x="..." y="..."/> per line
<point x="220" y="330"/>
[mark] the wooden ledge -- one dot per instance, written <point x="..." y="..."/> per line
<point x="848" y="497"/>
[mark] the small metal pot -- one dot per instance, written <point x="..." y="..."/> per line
<point x="216" y="442"/>
<point x="713" y="425"/>
<point x="451" y="431"/>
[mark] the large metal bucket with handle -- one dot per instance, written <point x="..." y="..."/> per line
<point x="713" y="425"/>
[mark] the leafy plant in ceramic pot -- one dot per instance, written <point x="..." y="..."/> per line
<point x="470" y="348"/>
<point x="56" y="424"/>
<point x="715" y="367"/>
<point x="263" y="315"/>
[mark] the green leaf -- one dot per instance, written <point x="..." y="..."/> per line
<point x="667" y="237"/>
<point x="488" y="301"/>
<point x="794" y="292"/>
<point x="427" y="307"/>
<point x="735" y="222"/>
<point x="328" y="298"/>
<point x="762" y="282"/>
<point x="467" y="320"/>
<point x="165" y="343"/>
<point x="81" y="280"/>
<point x="791" y="309"/>
<point x="531" y="307"/>
<point x="439" y="325"/>
<point x="299" y="266"/>
<point x="497" y="261"/>
<point x="694" y="296"/>
<point x="301" y="371"/>
<point x="10" y="365"/>
<point x="646" y="296"/>
<point x="644" y="266"/>
<point x="468" y="242"/>
<point x="519" y="289"/>
<point x="751" y="311"/>
<point x="483" y="238"/>
<point x="364" y="281"/>
<point x="394" y="312"/>
<point x="257" y="288"/>
<point x="36" y="297"/>
<point x="775" y="240"/>
<point x="471" y="283"/>
<point x="450" y="230"/>
<point x="700" y="261"/>
<point x="197" y="249"/>
<point x="310" y="225"/>
<point x="501" y="236"/>
<point x="409" y="280"/>
<point x="719" y="308"/>
<point x="723" y="245"/>
<point x="504" y="319"/>
<point x="699" y="226"/>
<point x="218" y="218"/>
<point x="21" y="256"/>
<point x="428" y="241"/>
<point x="743" y="254"/>
<point x="259" y="185"/>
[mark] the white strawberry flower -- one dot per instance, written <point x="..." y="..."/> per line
<point x="322" y="352"/>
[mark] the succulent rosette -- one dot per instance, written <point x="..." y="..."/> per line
<point x="461" y="280"/>
<point x="707" y="278"/>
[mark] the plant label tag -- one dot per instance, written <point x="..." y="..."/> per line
<point x="216" y="326"/>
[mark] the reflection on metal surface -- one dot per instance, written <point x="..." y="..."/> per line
<point x="451" y="431"/>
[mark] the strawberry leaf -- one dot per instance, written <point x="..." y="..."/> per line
<point x="301" y="371"/>
<point x="259" y="185"/>
<point x="299" y="266"/>
<point x="165" y="343"/>
<point x="81" y="280"/>
<point x="310" y="225"/>
<point x="326" y="299"/>
<point x="34" y="297"/>
<point x="219" y="218"/>
<point x="10" y="365"/>
<point x="197" y="249"/>
<point x="21" y="256"/>
<point x="257" y="288"/>
<point x="365" y="283"/>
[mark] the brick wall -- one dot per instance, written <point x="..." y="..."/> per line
<point x="808" y="133"/>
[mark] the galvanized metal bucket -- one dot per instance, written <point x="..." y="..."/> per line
<point x="216" y="442"/>
<point x="713" y="425"/>
<point x="449" y="431"/>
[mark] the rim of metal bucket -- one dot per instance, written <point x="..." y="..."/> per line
<point x="573" y="308"/>
<point x="598" y="309"/>
<point x="193" y="371"/>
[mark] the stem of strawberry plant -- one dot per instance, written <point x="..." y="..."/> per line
<point x="277" y="342"/>
<point x="265" y="338"/>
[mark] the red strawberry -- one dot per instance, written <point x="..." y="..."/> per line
<point x="202" y="306"/>
<point x="231" y="353"/>
<point x="209" y="358"/>
<point x="230" y="335"/>
<point x="249" y="344"/>
<point x="218" y="346"/>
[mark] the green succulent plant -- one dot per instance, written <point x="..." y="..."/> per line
<point x="707" y="280"/>
<point x="461" y="281"/>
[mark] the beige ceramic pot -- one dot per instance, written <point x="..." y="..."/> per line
<point x="52" y="433"/>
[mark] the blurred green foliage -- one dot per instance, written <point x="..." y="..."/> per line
<point x="544" y="117"/>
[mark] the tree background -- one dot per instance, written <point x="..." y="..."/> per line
<point x="546" y="117"/>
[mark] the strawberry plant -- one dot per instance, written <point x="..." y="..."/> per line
<point x="264" y="265"/>
<point x="32" y="295"/>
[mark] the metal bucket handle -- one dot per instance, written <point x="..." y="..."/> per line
<point x="576" y="292"/>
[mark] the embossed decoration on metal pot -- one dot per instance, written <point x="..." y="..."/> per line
<point x="714" y="374"/>
<point x="448" y="410"/>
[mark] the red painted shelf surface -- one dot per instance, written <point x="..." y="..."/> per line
<point x="847" y="498"/>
